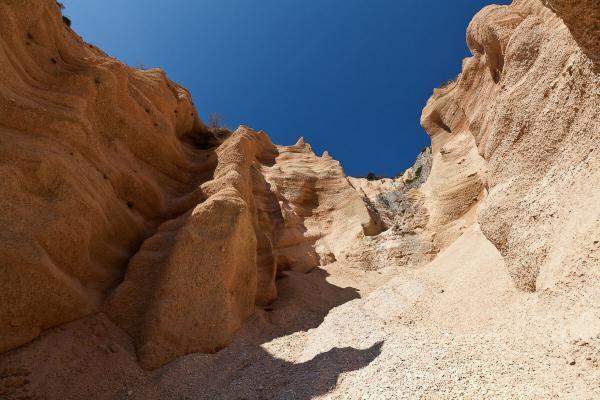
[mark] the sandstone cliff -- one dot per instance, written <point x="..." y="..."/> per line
<point x="116" y="198"/>
<point x="94" y="156"/>
<point x="266" y="209"/>
<point x="112" y="188"/>
<point x="527" y="109"/>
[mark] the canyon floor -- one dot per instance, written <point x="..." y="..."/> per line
<point x="455" y="328"/>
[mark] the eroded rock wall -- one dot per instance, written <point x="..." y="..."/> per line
<point x="400" y="205"/>
<point x="324" y="213"/>
<point x="266" y="209"/>
<point x="526" y="110"/>
<point x="92" y="158"/>
<point x="115" y="197"/>
<point x="192" y="295"/>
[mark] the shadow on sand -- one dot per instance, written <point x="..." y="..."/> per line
<point x="270" y="378"/>
<point x="246" y="370"/>
<point x="94" y="359"/>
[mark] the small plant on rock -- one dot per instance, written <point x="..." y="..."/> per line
<point x="215" y="121"/>
<point x="372" y="177"/>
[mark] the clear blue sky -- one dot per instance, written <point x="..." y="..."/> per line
<point x="351" y="76"/>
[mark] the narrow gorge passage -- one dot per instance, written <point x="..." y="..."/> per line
<point x="146" y="255"/>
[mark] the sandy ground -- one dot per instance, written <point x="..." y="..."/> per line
<point x="453" y="329"/>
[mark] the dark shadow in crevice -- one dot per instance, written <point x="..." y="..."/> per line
<point x="436" y="118"/>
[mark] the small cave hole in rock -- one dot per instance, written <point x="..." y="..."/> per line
<point x="436" y="118"/>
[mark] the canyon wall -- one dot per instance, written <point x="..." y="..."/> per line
<point x="267" y="209"/>
<point x="116" y="198"/>
<point x="527" y="106"/>
<point x="93" y="156"/>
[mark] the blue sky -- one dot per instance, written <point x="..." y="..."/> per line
<point x="351" y="76"/>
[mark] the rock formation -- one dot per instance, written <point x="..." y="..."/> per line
<point x="266" y="209"/>
<point x="94" y="156"/>
<point x="117" y="199"/>
<point x="400" y="205"/>
<point x="541" y="211"/>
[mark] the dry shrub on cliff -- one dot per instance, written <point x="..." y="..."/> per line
<point x="215" y="121"/>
